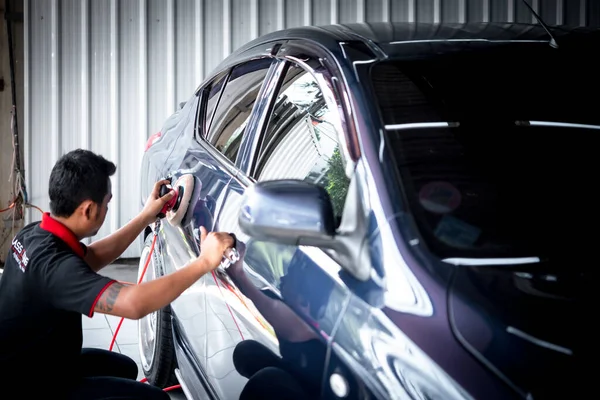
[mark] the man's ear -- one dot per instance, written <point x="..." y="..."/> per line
<point x="88" y="208"/>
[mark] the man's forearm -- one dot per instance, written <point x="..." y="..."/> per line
<point x="158" y="293"/>
<point x="105" y="251"/>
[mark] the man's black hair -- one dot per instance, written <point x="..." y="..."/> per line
<point x="79" y="175"/>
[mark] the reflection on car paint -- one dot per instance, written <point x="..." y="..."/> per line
<point x="378" y="348"/>
<point x="305" y="290"/>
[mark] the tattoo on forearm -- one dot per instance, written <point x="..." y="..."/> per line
<point x="108" y="299"/>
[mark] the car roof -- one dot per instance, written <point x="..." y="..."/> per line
<point x="385" y="35"/>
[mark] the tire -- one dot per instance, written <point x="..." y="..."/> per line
<point x="155" y="335"/>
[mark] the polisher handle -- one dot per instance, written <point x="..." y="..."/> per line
<point x="164" y="189"/>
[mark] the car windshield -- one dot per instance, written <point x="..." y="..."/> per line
<point x="494" y="148"/>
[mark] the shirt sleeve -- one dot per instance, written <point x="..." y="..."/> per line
<point x="71" y="285"/>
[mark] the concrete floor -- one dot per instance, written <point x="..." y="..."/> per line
<point x="99" y="330"/>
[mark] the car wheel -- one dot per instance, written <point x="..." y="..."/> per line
<point x="155" y="336"/>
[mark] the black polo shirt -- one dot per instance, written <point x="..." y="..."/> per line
<point x="45" y="288"/>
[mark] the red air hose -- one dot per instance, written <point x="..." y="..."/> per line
<point x="227" y="304"/>
<point x="112" y="343"/>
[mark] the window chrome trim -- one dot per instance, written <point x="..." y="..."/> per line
<point x="202" y="96"/>
<point x="467" y="41"/>
<point x="247" y="156"/>
<point x="421" y="125"/>
<point x="558" y="124"/>
<point x="425" y="125"/>
<point x="232" y="166"/>
<point x="492" y="261"/>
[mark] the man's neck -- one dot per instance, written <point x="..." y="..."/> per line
<point x="69" y="223"/>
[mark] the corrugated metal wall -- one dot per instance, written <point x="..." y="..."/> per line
<point x="105" y="74"/>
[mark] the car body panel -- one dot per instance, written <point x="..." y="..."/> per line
<point x="194" y="378"/>
<point x="491" y="312"/>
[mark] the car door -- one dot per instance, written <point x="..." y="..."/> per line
<point x="297" y="291"/>
<point x="225" y="117"/>
<point x="177" y="153"/>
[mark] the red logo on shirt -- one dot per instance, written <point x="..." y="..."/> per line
<point x="19" y="254"/>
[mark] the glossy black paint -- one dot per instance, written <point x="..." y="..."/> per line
<point x="413" y="326"/>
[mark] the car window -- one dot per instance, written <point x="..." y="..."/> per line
<point x="491" y="164"/>
<point x="300" y="139"/>
<point x="235" y="106"/>
<point x="212" y="94"/>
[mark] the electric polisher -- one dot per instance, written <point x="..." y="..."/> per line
<point x="187" y="188"/>
<point x="174" y="209"/>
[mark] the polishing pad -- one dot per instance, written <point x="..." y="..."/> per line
<point x="184" y="184"/>
<point x="194" y="203"/>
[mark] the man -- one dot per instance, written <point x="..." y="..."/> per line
<point x="50" y="279"/>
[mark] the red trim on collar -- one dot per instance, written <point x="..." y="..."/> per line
<point x="62" y="232"/>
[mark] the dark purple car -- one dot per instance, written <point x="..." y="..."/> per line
<point x="409" y="200"/>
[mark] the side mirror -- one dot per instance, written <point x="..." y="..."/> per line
<point x="299" y="213"/>
<point x="290" y="212"/>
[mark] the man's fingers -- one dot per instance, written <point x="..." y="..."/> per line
<point x="157" y="185"/>
<point x="227" y="240"/>
<point x="223" y="239"/>
<point x="168" y="196"/>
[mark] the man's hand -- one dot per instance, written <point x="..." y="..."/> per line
<point x="236" y="269"/>
<point x="155" y="203"/>
<point x="106" y="250"/>
<point x="213" y="246"/>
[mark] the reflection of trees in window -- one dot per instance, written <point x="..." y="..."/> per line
<point x="332" y="177"/>
<point x="337" y="181"/>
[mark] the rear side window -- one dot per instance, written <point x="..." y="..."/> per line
<point x="235" y="106"/>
